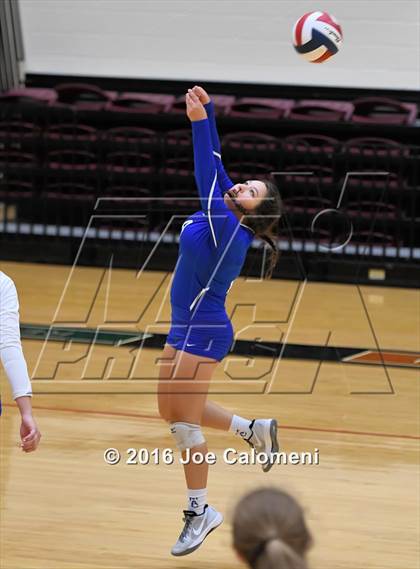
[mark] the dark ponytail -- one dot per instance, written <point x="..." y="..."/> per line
<point x="274" y="257"/>
<point x="264" y="222"/>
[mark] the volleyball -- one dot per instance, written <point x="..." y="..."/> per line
<point x="317" y="36"/>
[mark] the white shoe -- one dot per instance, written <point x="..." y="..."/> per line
<point x="264" y="439"/>
<point x="196" y="529"/>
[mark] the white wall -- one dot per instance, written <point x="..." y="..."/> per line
<point x="221" y="40"/>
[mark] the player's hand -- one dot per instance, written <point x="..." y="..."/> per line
<point x="29" y="434"/>
<point x="195" y="109"/>
<point x="201" y="94"/>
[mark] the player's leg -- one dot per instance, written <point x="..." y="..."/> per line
<point x="260" y="434"/>
<point x="166" y="363"/>
<point x="187" y="397"/>
<point x="217" y="417"/>
<point x="214" y="415"/>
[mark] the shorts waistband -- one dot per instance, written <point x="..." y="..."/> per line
<point x="184" y="315"/>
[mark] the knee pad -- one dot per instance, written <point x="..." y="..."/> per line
<point x="187" y="435"/>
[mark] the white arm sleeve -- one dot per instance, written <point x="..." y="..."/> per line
<point x="11" y="353"/>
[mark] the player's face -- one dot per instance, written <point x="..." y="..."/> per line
<point x="247" y="195"/>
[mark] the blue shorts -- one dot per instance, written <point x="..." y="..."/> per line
<point x="208" y="339"/>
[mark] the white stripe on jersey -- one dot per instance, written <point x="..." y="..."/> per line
<point x="208" y="208"/>
<point x="199" y="295"/>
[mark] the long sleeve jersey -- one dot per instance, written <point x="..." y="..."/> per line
<point x="213" y="243"/>
<point x="11" y="353"/>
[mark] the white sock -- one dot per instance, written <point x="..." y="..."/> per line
<point x="241" y="427"/>
<point x="197" y="499"/>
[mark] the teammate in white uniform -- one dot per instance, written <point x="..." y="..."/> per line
<point x="14" y="362"/>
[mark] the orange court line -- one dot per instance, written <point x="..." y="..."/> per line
<point x="285" y="427"/>
<point x="385" y="357"/>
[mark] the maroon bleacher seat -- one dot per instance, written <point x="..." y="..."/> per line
<point x="222" y="103"/>
<point x="71" y="160"/>
<point x="19" y="135"/>
<point x="320" y="110"/>
<point x="310" y="143"/>
<point x="306" y="204"/>
<point x="371" y="210"/>
<point x="146" y="103"/>
<point x="69" y="191"/>
<point x="307" y="180"/>
<point x="383" y="110"/>
<point x="29" y="94"/>
<point x="297" y="173"/>
<point x="130" y="139"/>
<point x="369" y="180"/>
<point x="15" y="190"/>
<point x="67" y="203"/>
<point x="129" y="163"/>
<point x="246" y="170"/>
<point x="304" y="233"/>
<point x="181" y="199"/>
<point x="248" y="140"/>
<point x="174" y="206"/>
<point x="264" y="108"/>
<point x="180" y="166"/>
<point x="16" y="159"/>
<point x="127" y="199"/>
<point x="131" y="135"/>
<point x="83" y="96"/>
<point x="375" y="146"/>
<point x="178" y="143"/>
<point x="119" y="191"/>
<point x="71" y="132"/>
<point x="179" y="137"/>
<point x="18" y="131"/>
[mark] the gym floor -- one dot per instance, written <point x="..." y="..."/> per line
<point x="63" y="507"/>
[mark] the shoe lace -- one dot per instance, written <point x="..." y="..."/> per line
<point x="188" y="519"/>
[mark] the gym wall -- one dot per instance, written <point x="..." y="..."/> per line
<point x="222" y="40"/>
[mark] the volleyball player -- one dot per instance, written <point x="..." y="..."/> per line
<point x="14" y="362"/>
<point x="213" y="246"/>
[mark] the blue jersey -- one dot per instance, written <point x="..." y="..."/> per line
<point x="213" y="243"/>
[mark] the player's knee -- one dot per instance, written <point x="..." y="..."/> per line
<point x="187" y="435"/>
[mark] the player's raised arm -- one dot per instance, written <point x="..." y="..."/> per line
<point x="225" y="182"/>
<point x="204" y="165"/>
<point x="221" y="219"/>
